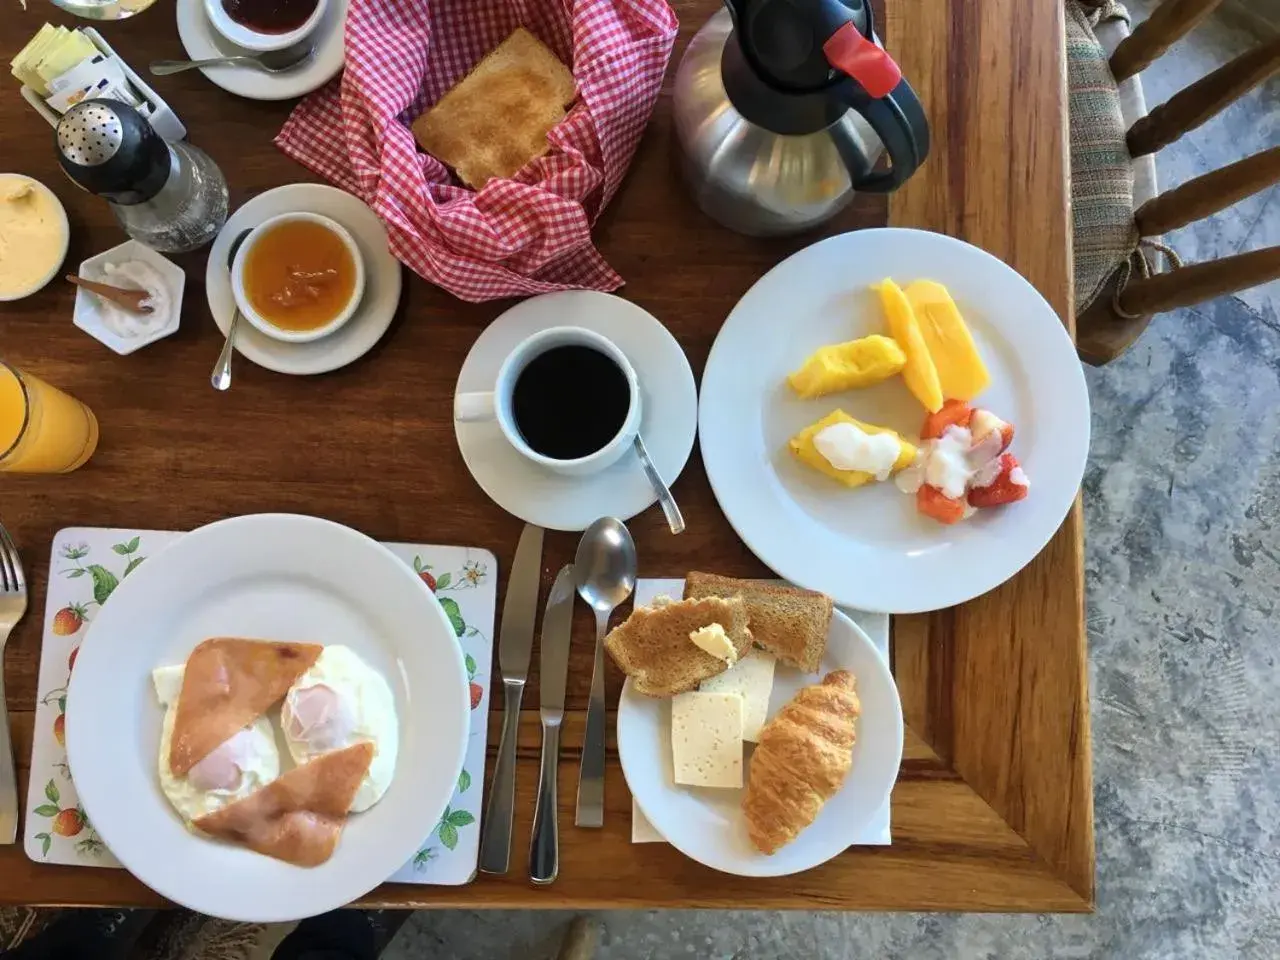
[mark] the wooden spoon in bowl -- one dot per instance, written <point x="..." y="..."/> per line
<point x="131" y="300"/>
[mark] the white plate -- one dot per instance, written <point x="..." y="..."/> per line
<point x="382" y="281"/>
<point x="279" y="577"/>
<point x="868" y="547"/>
<point x="707" y="824"/>
<point x="670" y="406"/>
<point x="202" y="42"/>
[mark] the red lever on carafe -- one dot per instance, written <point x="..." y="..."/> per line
<point x="867" y="63"/>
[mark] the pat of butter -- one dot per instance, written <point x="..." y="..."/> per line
<point x="168" y="683"/>
<point x="752" y="679"/>
<point x="716" y="642"/>
<point x="706" y="739"/>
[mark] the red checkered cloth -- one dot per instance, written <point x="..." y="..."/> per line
<point x="527" y="235"/>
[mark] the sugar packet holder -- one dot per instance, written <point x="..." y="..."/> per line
<point x="157" y="112"/>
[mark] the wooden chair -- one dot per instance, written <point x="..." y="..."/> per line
<point x="1119" y="314"/>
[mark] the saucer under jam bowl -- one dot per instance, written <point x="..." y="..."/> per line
<point x="202" y="40"/>
<point x="377" y="306"/>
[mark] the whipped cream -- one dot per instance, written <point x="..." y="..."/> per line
<point x="846" y="447"/>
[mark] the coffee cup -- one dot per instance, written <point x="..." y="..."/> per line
<point x="565" y="398"/>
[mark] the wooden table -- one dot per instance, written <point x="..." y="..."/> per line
<point x="993" y="809"/>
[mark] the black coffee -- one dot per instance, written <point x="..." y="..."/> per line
<point x="570" y="401"/>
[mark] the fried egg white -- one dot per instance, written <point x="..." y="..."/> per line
<point x="341" y="701"/>
<point x="237" y="768"/>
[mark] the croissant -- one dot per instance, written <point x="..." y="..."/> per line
<point x="803" y="756"/>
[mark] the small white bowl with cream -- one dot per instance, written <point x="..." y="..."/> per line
<point x="34" y="236"/>
<point x="263" y="25"/>
<point x="131" y="266"/>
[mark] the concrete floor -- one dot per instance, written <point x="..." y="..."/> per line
<point x="1182" y="502"/>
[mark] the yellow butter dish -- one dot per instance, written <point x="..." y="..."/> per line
<point x="866" y="446"/>
<point x="847" y="366"/>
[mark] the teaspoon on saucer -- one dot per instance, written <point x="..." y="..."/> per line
<point x="270" y="61"/>
<point x="670" y="509"/>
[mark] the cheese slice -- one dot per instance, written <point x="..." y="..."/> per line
<point x="713" y="640"/>
<point x="706" y="739"/>
<point x="168" y="683"/>
<point x="752" y="679"/>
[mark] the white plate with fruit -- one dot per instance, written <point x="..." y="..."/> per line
<point x="961" y="349"/>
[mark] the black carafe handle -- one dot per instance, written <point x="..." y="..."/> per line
<point x="899" y="121"/>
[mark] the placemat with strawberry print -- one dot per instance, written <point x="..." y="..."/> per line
<point x="88" y="563"/>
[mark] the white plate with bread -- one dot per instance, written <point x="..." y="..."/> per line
<point x="759" y="729"/>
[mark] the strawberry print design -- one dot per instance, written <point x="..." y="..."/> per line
<point x="68" y="621"/>
<point x="68" y="822"/>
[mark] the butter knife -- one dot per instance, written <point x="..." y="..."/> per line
<point x="557" y="628"/>
<point x="515" y="645"/>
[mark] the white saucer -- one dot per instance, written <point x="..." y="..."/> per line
<point x="202" y="41"/>
<point x="357" y="335"/>
<point x="669" y="396"/>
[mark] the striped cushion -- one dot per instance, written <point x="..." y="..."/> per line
<point x="1101" y="169"/>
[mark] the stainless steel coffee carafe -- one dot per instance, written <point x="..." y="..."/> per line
<point x="784" y="107"/>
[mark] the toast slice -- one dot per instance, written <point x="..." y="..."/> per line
<point x="653" y="647"/>
<point x="299" y="816"/>
<point x="496" y="119"/>
<point x="790" y="623"/>
<point x="228" y="683"/>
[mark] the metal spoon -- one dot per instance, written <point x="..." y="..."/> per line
<point x="270" y="61"/>
<point x="670" y="509"/>
<point x="221" y="378"/>
<point x="605" y="574"/>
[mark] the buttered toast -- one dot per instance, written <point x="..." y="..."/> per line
<point x="654" y="649"/>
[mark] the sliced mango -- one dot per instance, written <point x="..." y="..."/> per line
<point x="920" y="374"/>
<point x="803" y="447"/>
<point x="847" y="366"/>
<point x="961" y="372"/>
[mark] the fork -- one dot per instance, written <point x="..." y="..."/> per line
<point x="13" y="604"/>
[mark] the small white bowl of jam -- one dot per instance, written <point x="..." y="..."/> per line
<point x="262" y="25"/>
<point x="298" y="277"/>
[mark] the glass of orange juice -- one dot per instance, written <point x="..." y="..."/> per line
<point x="42" y="429"/>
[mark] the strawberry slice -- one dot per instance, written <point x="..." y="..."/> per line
<point x="954" y="413"/>
<point x="932" y="502"/>
<point x="1009" y="485"/>
<point x="984" y="423"/>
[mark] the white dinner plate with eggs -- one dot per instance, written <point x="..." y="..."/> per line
<point x="706" y="824"/>
<point x="271" y="577"/>
<point x="869" y="548"/>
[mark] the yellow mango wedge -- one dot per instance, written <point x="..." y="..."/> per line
<point x="803" y="447"/>
<point x="920" y="374"/>
<point x="847" y="366"/>
<point x="961" y="372"/>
